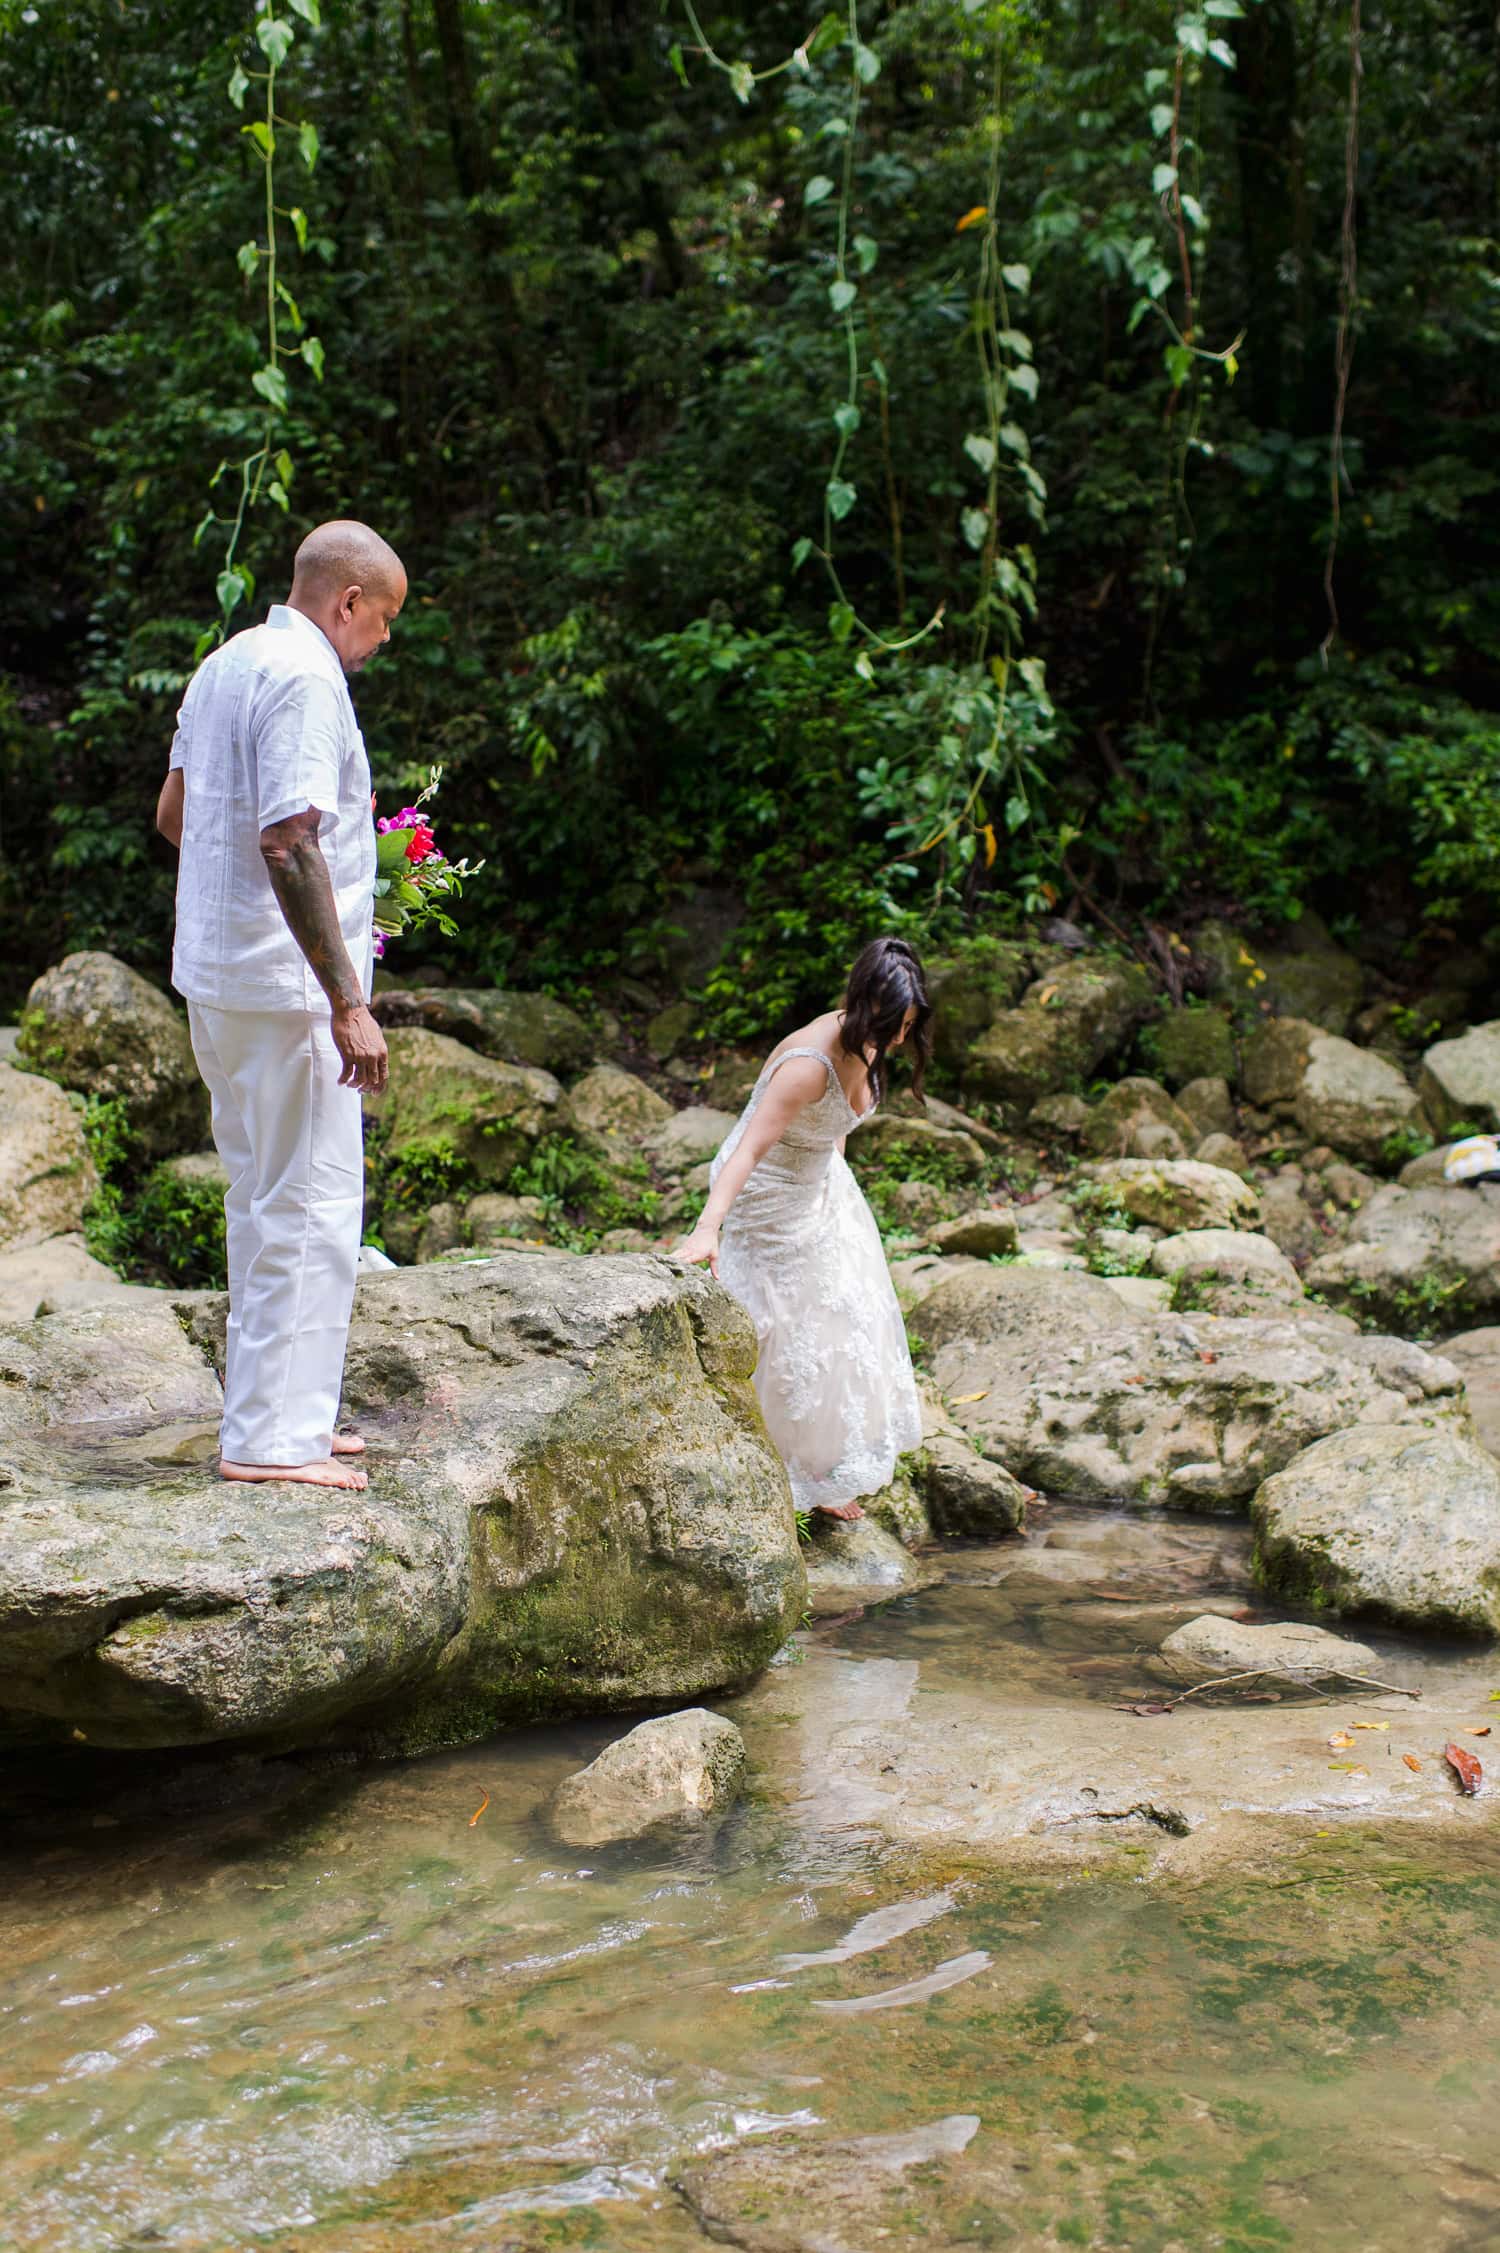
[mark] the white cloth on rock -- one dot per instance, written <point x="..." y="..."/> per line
<point x="292" y="1140"/>
<point x="801" y="1252"/>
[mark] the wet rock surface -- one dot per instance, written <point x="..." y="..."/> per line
<point x="572" y="1506"/>
<point x="684" y="1765"/>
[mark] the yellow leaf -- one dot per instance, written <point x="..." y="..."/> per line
<point x="1047" y="994"/>
<point x="988" y="834"/>
<point x="1412" y="1762"/>
<point x="1372" y="1724"/>
<point x="1347" y="1768"/>
<point x="959" y="1398"/>
<point x="972" y="217"/>
<point x="1339" y="1739"/>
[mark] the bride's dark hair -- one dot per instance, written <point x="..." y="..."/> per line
<point x="887" y="979"/>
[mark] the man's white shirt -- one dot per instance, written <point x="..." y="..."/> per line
<point x="267" y="730"/>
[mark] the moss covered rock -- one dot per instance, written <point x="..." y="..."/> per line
<point x="573" y="1507"/>
<point x="970" y="988"/>
<point x="1191" y="1044"/>
<point x="97" y="1026"/>
<point x="446" y="1104"/>
<point x="1175" y="1194"/>
<point x="1067" y="1024"/>
<point x="609" y="1107"/>
<point x="1138" y="1119"/>
<point x="516" y="1028"/>
<point x="1300" y="972"/>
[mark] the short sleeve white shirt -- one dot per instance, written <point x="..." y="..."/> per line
<point x="267" y="730"/>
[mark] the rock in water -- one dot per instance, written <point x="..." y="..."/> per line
<point x="97" y="1026"/>
<point x="857" y="1562"/>
<point x="1203" y="1650"/>
<point x="573" y="1506"/>
<point x="685" y="1764"/>
<point x="46" y="1174"/>
<point x="1396" y="1523"/>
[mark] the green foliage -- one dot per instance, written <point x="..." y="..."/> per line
<point x="584" y="1199"/>
<point x="153" y="1226"/>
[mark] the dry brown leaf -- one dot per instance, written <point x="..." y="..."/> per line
<point x="1412" y="1762"/>
<point x="1210" y="1357"/>
<point x="1464" y="1765"/>
<point x="1480" y="1732"/>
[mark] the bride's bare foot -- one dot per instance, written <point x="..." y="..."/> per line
<point x="328" y="1472"/>
<point x="843" y="1511"/>
<point x="347" y="1443"/>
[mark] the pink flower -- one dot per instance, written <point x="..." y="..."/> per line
<point x="379" y="946"/>
<point x="420" y="846"/>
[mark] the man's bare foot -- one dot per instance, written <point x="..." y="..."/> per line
<point x="843" y="1511"/>
<point x="327" y="1473"/>
<point x="347" y="1443"/>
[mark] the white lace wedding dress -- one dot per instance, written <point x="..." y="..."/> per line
<point x="800" y="1251"/>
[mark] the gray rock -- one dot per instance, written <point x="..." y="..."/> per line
<point x="672" y="1028"/>
<point x="97" y="1026"/>
<point x="1223" y="1150"/>
<point x="1347" y="1186"/>
<point x="32" y="1275"/>
<point x="198" y="1169"/>
<point x="1288" y="1219"/>
<point x="1354" y="1099"/>
<point x="1086" y="1397"/>
<point x="687" y="1138"/>
<point x="1275" y="1059"/>
<point x="573" y="1507"/>
<point x="1420" y="1172"/>
<point x="514" y="1028"/>
<point x="688" y="1764"/>
<point x="1476" y="1356"/>
<point x="1235" y="1255"/>
<point x="444" y="1097"/>
<point x="46" y="1174"/>
<point x="1461" y="1082"/>
<point x="1387" y="1521"/>
<point x="858" y="1562"/>
<point x="985" y="1233"/>
<point x="608" y="1106"/>
<point x="495" y="1215"/>
<point x="852" y="2194"/>
<point x="970" y="989"/>
<point x="1059" y="1114"/>
<point x="1177" y="1194"/>
<point x="959" y="1490"/>
<point x="1209" y="1104"/>
<point x="890" y="1141"/>
<point x="1146" y="1294"/>
<point x="1203" y="1650"/>
<point x="1067" y="1024"/>
<point x="1430" y="1255"/>
<point x="1300" y="974"/>
<point x="1118" y="1123"/>
<point x="915" y="1206"/>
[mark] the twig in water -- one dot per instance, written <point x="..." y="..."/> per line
<point x="1299" y="1673"/>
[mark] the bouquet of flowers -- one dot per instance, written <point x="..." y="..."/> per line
<point x="412" y="878"/>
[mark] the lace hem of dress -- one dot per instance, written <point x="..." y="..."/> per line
<point x="856" y="1477"/>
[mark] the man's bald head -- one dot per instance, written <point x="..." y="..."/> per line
<point x="351" y="583"/>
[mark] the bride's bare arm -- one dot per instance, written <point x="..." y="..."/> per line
<point x="798" y="1083"/>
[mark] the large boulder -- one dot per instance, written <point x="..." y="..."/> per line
<point x="687" y="1138"/>
<point x="1353" y="1099"/>
<point x="1082" y="1395"/>
<point x="573" y="1507"/>
<point x="1275" y="1060"/>
<point x="1428" y="1257"/>
<point x="1303" y="973"/>
<point x="1191" y="1044"/>
<point x="1067" y="1024"/>
<point x="1138" y="1119"/>
<point x="1390" y="1522"/>
<point x="609" y="1108"/>
<point x="515" y="1028"/>
<point x="448" y="1102"/>
<point x="899" y="1143"/>
<point x="1461" y="1082"/>
<point x="860" y="1562"/>
<point x="1176" y="1193"/>
<point x="684" y="1765"/>
<point x="1475" y="1354"/>
<point x="97" y="1026"/>
<point x="46" y="1174"/>
<point x="968" y="991"/>
<point x="1229" y="1255"/>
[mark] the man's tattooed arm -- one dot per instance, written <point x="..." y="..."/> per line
<point x="304" y="892"/>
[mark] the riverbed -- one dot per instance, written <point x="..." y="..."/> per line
<point x="372" y="2009"/>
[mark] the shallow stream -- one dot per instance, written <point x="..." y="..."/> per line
<point x="324" y="2010"/>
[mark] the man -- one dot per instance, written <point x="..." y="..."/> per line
<point x="268" y="798"/>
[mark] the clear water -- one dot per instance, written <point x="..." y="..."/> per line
<point x="265" y="2005"/>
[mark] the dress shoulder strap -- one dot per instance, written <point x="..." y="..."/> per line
<point x="788" y="1053"/>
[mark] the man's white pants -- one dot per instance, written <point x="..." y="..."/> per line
<point x="293" y="1142"/>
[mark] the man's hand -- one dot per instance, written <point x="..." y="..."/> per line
<point x="362" y="1050"/>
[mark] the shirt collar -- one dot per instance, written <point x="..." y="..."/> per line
<point x="282" y="617"/>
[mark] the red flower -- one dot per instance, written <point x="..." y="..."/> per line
<point x="421" y="844"/>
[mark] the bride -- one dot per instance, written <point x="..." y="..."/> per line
<point x="800" y="1249"/>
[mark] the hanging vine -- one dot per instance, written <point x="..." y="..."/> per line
<point x="268" y="468"/>
<point x="1344" y="343"/>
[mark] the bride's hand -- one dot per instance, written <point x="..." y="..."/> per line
<point x="702" y="1244"/>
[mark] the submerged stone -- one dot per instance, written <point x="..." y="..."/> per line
<point x="685" y="1764"/>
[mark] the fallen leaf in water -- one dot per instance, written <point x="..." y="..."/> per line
<point x="960" y="1399"/>
<point x="1339" y="1739"/>
<point x="1145" y="1709"/>
<point x="1412" y="1762"/>
<point x="1480" y="1732"/>
<point x="1372" y="1724"/>
<point x="1208" y="1357"/>
<point x="1347" y="1768"/>
<point x="479" y="1810"/>
<point x="1465" y="1767"/>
